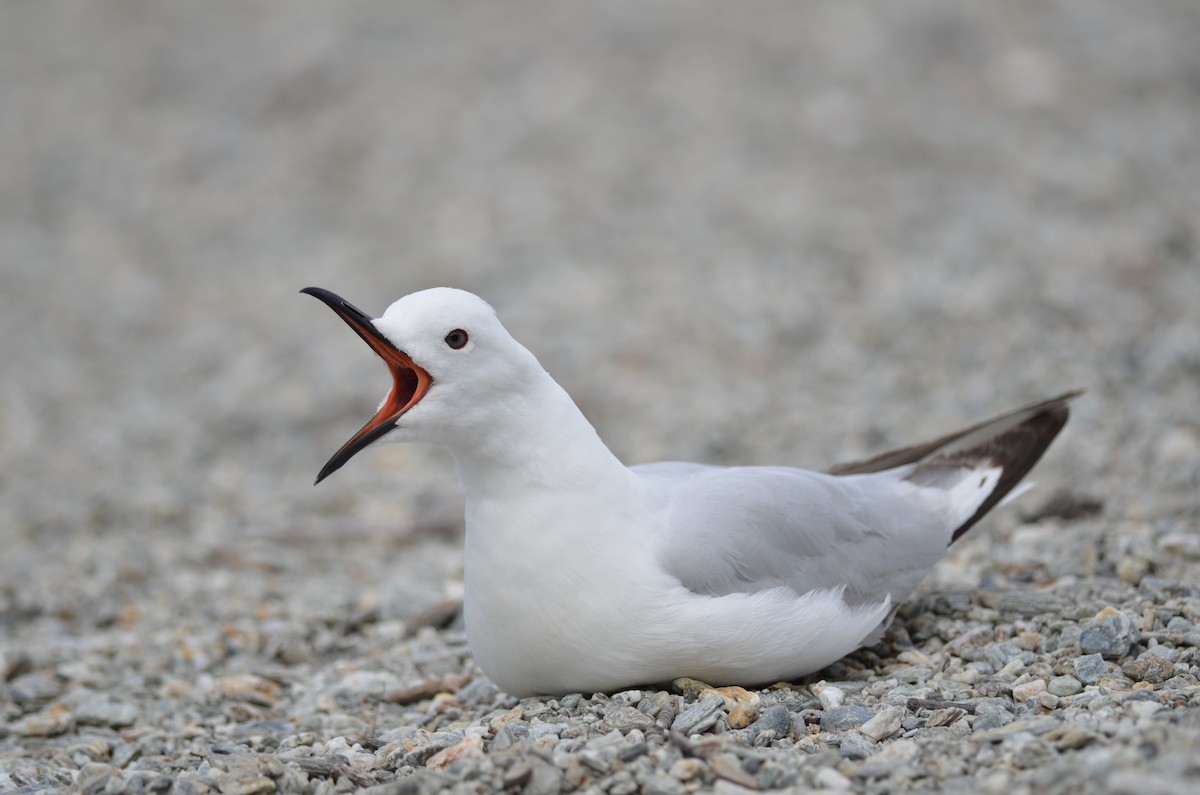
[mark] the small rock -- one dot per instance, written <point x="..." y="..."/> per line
<point x="94" y="776"/>
<point x="699" y="716"/>
<point x="628" y="698"/>
<point x="842" y="718"/>
<point x="625" y="719"/>
<point x="539" y="730"/>
<point x="855" y="746"/>
<point x="1063" y="686"/>
<point x="944" y="717"/>
<point x="1089" y="668"/>
<point x="830" y="778"/>
<point x="34" y="687"/>
<point x="418" y="755"/>
<point x="1031" y="689"/>
<point x="632" y="752"/>
<point x="884" y="723"/>
<point x="1048" y="700"/>
<point x="1152" y="669"/>
<point x="778" y="719"/>
<point x="55" y="719"/>
<point x="250" y="689"/>
<point x="545" y="778"/>
<point x="990" y="717"/>
<point x="728" y="767"/>
<point x="1132" y="569"/>
<point x="660" y="784"/>
<point x="247" y="785"/>
<point x="1004" y="653"/>
<point x="102" y="712"/>
<point x="688" y="769"/>
<point x="733" y="696"/>
<point x="742" y="715"/>
<point x="1071" y="738"/>
<point x="517" y="775"/>
<point x="470" y="747"/>
<point x="1142" y="709"/>
<point x="14" y="663"/>
<point x="503" y="740"/>
<point x="688" y="687"/>
<point x="831" y="697"/>
<point x="478" y="692"/>
<point x="1109" y="637"/>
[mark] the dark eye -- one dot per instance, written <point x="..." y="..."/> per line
<point x="456" y="339"/>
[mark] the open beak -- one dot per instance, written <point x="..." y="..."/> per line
<point x="410" y="382"/>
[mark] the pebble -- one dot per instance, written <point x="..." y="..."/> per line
<point x="55" y="719"/>
<point x="689" y="688"/>
<point x="729" y="767"/>
<point x="471" y="746"/>
<point x="102" y="712"/>
<point x="1089" y="668"/>
<point x="842" y="718"/>
<point x="1063" y="686"/>
<point x="625" y="719"/>
<point x="776" y="719"/>
<point x="831" y="697"/>
<point x="1109" y="637"/>
<point x="1024" y="692"/>
<point x="884" y="723"/>
<point x="830" y="778"/>
<point x="1152" y="669"/>
<point x="688" y="769"/>
<point x="744" y="714"/>
<point x="856" y="746"/>
<point x="699" y="716"/>
<point x="545" y="778"/>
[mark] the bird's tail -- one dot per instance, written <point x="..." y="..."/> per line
<point x="985" y="461"/>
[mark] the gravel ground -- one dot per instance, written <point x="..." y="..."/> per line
<point x="768" y="233"/>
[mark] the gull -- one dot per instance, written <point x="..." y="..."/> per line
<point x="585" y="575"/>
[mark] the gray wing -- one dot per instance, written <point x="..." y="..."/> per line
<point x="747" y="529"/>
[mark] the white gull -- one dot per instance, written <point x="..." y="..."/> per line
<point x="585" y="575"/>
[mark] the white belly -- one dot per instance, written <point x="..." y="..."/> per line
<point x="584" y="610"/>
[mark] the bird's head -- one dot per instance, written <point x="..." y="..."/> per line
<point x="451" y="363"/>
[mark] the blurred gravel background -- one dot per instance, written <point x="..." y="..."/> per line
<point x="757" y="233"/>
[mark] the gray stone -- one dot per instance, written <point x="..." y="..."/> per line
<point x="1151" y="668"/>
<point x="34" y="688"/>
<point x="1064" y="686"/>
<point x="538" y="730"/>
<point x="855" y="746"/>
<point x="1001" y="654"/>
<point x="624" y="719"/>
<point x="884" y="723"/>
<point x="777" y="719"/>
<point x="990" y="717"/>
<point x="847" y="717"/>
<point x="699" y="716"/>
<point x="1110" y="637"/>
<point x="662" y="784"/>
<point x="478" y="692"/>
<point x="1089" y="668"/>
<point x="545" y="778"/>
<point x="102" y="712"/>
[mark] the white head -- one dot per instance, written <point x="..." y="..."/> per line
<point x="453" y="367"/>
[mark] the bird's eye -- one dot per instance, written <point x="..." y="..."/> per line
<point x="457" y="339"/>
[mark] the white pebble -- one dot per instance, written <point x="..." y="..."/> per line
<point x="1022" y="693"/>
<point x="832" y="697"/>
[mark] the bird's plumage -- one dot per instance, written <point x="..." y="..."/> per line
<point x="583" y="574"/>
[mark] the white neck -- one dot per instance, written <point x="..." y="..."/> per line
<point x="544" y="441"/>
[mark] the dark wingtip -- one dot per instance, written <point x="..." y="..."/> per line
<point x="1016" y="450"/>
